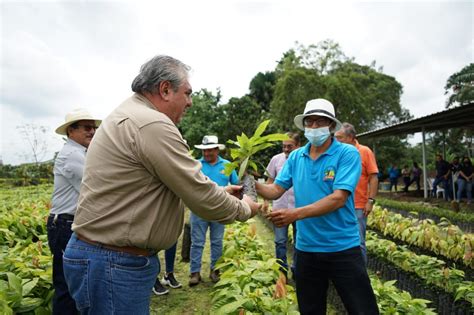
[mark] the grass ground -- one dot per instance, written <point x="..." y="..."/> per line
<point x="195" y="300"/>
<point x="185" y="300"/>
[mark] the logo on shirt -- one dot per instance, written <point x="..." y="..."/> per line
<point x="329" y="174"/>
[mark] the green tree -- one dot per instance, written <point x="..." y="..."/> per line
<point x="293" y="89"/>
<point x="322" y="57"/>
<point x="462" y="86"/>
<point x="389" y="150"/>
<point x="262" y="87"/>
<point x="365" y="97"/>
<point x="202" y="118"/>
<point x="239" y="115"/>
<point x="289" y="61"/>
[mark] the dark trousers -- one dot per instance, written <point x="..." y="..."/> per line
<point x="393" y="182"/>
<point x="59" y="233"/>
<point x="415" y="179"/>
<point x="346" y="270"/>
<point x="406" y="181"/>
<point x="170" y="255"/>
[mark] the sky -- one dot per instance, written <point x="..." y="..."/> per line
<point x="60" y="55"/>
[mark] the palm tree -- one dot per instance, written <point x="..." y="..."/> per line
<point x="462" y="85"/>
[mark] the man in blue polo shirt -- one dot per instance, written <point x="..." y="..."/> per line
<point x="324" y="174"/>
<point x="212" y="167"/>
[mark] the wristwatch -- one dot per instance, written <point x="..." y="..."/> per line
<point x="372" y="200"/>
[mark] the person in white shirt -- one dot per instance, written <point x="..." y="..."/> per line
<point x="79" y="128"/>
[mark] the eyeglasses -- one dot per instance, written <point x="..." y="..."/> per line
<point x="320" y="122"/>
<point x="88" y="127"/>
<point x="288" y="146"/>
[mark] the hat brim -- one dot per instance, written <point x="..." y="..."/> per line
<point x="298" y="120"/>
<point x="210" y="146"/>
<point x="62" y="130"/>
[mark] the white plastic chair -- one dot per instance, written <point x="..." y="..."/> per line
<point x="439" y="190"/>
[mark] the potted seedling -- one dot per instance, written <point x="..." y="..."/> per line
<point x="242" y="155"/>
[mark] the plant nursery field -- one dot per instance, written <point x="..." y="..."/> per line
<point x="418" y="265"/>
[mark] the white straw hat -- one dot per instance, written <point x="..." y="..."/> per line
<point x="320" y="107"/>
<point x="210" y="142"/>
<point x="74" y="116"/>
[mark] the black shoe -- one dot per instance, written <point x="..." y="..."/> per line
<point x="214" y="275"/>
<point x="159" y="289"/>
<point x="171" y="281"/>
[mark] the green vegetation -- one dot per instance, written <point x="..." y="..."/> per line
<point x="461" y="84"/>
<point x="430" y="269"/>
<point x="250" y="276"/>
<point x="441" y="239"/>
<point x="391" y="300"/>
<point x="25" y="260"/>
<point x="439" y="212"/>
<point x="246" y="147"/>
<point x="250" y="280"/>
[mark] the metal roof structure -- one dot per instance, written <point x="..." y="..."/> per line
<point x="458" y="117"/>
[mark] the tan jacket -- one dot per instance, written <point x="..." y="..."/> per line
<point x="137" y="175"/>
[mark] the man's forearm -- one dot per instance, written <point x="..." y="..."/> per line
<point x="326" y="205"/>
<point x="269" y="191"/>
<point x="373" y="186"/>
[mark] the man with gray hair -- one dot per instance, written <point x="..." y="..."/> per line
<point x="137" y="178"/>
<point x="367" y="188"/>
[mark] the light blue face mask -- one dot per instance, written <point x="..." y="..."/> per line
<point x="317" y="136"/>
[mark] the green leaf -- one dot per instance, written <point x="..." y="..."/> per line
<point x="243" y="168"/>
<point x="253" y="165"/>
<point x="263" y="277"/>
<point x="29" y="304"/>
<point x="260" y="129"/>
<point x="273" y="138"/>
<point x="28" y="286"/>
<point x="232" y="307"/>
<point x="260" y="147"/>
<point x="4" y="308"/>
<point x="15" y="283"/>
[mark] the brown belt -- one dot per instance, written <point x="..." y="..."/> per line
<point x="122" y="249"/>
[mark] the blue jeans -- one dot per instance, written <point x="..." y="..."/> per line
<point x="103" y="281"/>
<point x="198" y="239"/>
<point x="281" y="239"/>
<point x="59" y="233"/>
<point x="347" y="272"/>
<point x="362" y="227"/>
<point x="462" y="183"/>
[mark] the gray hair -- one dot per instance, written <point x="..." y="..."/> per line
<point x="348" y="129"/>
<point x="160" y="68"/>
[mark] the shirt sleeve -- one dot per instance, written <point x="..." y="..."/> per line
<point x="165" y="155"/>
<point x="271" y="168"/>
<point x="73" y="169"/>
<point x="371" y="163"/>
<point x="285" y="177"/>
<point x="348" y="171"/>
